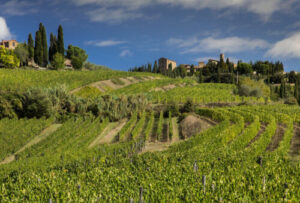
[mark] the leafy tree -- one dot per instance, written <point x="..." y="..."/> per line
<point x="22" y="53"/>
<point x="60" y="40"/>
<point x="180" y="71"/>
<point x="244" y="68"/>
<point x="42" y="30"/>
<point x="58" y="61"/>
<point x="74" y="51"/>
<point x="8" y="58"/>
<point x="30" y="46"/>
<point x="38" y="49"/>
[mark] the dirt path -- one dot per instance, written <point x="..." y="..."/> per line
<point x="107" y="129"/>
<point x="295" y="143"/>
<point x="276" y="139"/>
<point x="175" y="137"/>
<point x="108" y="84"/>
<point x="109" y="134"/>
<point x="45" y="133"/>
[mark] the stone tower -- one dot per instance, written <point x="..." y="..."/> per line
<point x="222" y="56"/>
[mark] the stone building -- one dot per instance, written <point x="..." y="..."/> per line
<point x="9" y="44"/>
<point x="164" y="64"/>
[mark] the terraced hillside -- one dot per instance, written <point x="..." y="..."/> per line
<point x="224" y="148"/>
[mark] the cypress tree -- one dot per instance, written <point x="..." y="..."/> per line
<point x="149" y="67"/>
<point x="38" y="49"/>
<point x="30" y="46"/>
<point x="297" y="90"/>
<point x="155" y="67"/>
<point x="53" y="46"/>
<point x="60" y="40"/>
<point x="44" y="44"/>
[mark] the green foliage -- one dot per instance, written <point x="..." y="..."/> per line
<point x="44" y="44"/>
<point x="38" y="49"/>
<point x="170" y="123"/>
<point x="91" y="66"/>
<point x="188" y="106"/>
<point x="117" y="81"/>
<point x="58" y="61"/>
<point x="150" y="124"/>
<point x="77" y="63"/>
<point x="30" y="46"/>
<point x="77" y="52"/>
<point x="8" y="59"/>
<point x="244" y="68"/>
<point x="160" y="123"/>
<point x="60" y="41"/>
<point x="248" y="87"/>
<point x="125" y="131"/>
<point x="22" y="53"/>
<point x="53" y="49"/>
<point x="89" y="92"/>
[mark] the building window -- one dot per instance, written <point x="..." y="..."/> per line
<point x="14" y="44"/>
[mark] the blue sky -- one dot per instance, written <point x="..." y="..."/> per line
<point x="124" y="33"/>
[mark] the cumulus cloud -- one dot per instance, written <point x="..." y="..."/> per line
<point x="211" y="44"/>
<point x="264" y="8"/>
<point x="105" y="43"/>
<point x="125" y="53"/>
<point x="286" y="48"/>
<point x="4" y="30"/>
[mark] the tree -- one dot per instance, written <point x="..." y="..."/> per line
<point x="38" y="49"/>
<point x="192" y="69"/>
<point x="200" y="77"/>
<point x="60" y="40"/>
<point x="42" y="30"/>
<point x="149" y="67"/>
<point x="58" y="61"/>
<point x="30" y="47"/>
<point x="297" y="89"/>
<point x="77" y="63"/>
<point x="155" y="67"/>
<point x="8" y="59"/>
<point x="244" y="68"/>
<point x="74" y="51"/>
<point x="53" y="49"/>
<point x="77" y="55"/>
<point x="282" y="89"/>
<point x="22" y="53"/>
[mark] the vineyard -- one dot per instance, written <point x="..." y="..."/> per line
<point x="226" y="148"/>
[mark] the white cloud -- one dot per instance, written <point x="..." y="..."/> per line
<point x="4" y="30"/>
<point x="211" y="44"/>
<point x="105" y="43"/>
<point x="125" y="53"/>
<point x="286" y="48"/>
<point x="112" y="15"/>
<point x="264" y="8"/>
<point x="18" y="8"/>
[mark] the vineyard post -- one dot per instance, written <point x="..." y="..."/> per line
<point x="141" y="195"/>
<point x="131" y="200"/>
<point x="195" y="167"/>
<point x="264" y="184"/>
<point x="204" y="182"/>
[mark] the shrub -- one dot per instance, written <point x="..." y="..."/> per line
<point x="6" y="109"/>
<point x="188" y="106"/>
<point x="37" y="104"/>
<point x="58" y="61"/>
<point x="77" y="63"/>
<point x="291" y="101"/>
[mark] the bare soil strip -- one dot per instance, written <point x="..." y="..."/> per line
<point x="295" y="143"/>
<point x="109" y="135"/>
<point x="45" y="133"/>
<point x="175" y="136"/>
<point x="260" y="132"/>
<point x="276" y="139"/>
<point x="107" y="129"/>
<point x="104" y="84"/>
<point x="153" y="146"/>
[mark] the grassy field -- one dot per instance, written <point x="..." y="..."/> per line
<point x="247" y="151"/>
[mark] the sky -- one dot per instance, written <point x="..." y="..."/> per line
<point x="125" y="33"/>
